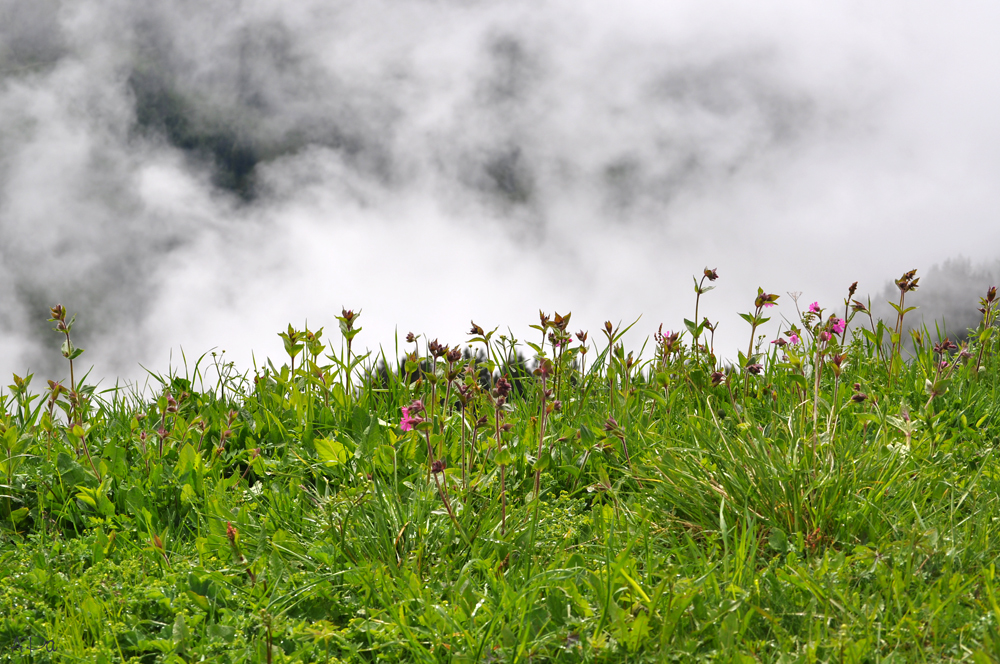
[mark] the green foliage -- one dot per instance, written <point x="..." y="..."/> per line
<point x="825" y="500"/>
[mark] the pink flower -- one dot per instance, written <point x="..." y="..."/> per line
<point x="837" y="325"/>
<point x="793" y="339"/>
<point x="814" y="307"/>
<point x="770" y="304"/>
<point x="824" y="336"/>
<point x="411" y="420"/>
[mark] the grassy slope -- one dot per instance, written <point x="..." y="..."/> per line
<point x="287" y="517"/>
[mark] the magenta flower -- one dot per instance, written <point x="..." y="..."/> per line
<point x="793" y="339"/>
<point x="814" y="307"/>
<point x="837" y="325"/>
<point x="824" y="336"/>
<point x="411" y="416"/>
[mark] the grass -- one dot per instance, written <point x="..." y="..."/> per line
<point x="821" y="501"/>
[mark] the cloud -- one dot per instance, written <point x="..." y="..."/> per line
<point x="199" y="174"/>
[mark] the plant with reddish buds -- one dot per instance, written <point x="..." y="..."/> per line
<point x="988" y="310"/>
<point x="762" y="301"/>
<point x="347" y="319"/>
<point x="544" y="370"/>
<point x="498" y="397"/>
<point x="69" y="351"/>
<point x="905" y="284"/>
<point x="693" y="326"/>
<point x="293" y="340"/>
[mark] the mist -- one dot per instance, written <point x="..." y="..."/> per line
<point x="194" y="176"/>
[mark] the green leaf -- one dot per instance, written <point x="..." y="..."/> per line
<point x="18" y="515"/>
<point x="180" y="632"/>
<point x="544" y="460"/>
<point x="188" y="460"/>
<point x="223" y="632"/>
<point x="383" y="458"/>
<point x="200" y="600"/>
<point x="331" y="451"/>
<point x="504" y="457"/>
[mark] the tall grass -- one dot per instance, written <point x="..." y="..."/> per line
<point x="826" y="499"/>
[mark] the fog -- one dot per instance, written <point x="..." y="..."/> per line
<point x="191" y="176"/>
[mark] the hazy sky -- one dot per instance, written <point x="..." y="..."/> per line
<point x="198" y="174"/>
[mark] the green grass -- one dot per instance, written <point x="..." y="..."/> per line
<point x="818" y="502"/>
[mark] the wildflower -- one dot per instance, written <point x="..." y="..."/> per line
<point x="411" y="415"/>
<point x="717" y="378"/>
<point x="779" y="342"/>
<point x="793" y="339"/>
<point x="837" y="325"/>
<point x="765" y="299"/>
<point x="755" y="368"/>
<point x="711" y="275"/>
<point x="437" y="466"/>
<point x="945" y="346"/>
<point x="859" y="397"/>
<point x="824" y="336"/>
<point x="858" y="307"/>
<point x="476" y="330"/>
<point x="814" y="307"/>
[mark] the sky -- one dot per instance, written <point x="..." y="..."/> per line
<point x="195" y="176"/>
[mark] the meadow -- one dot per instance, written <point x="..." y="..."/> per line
<point x="831" y="495"/>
